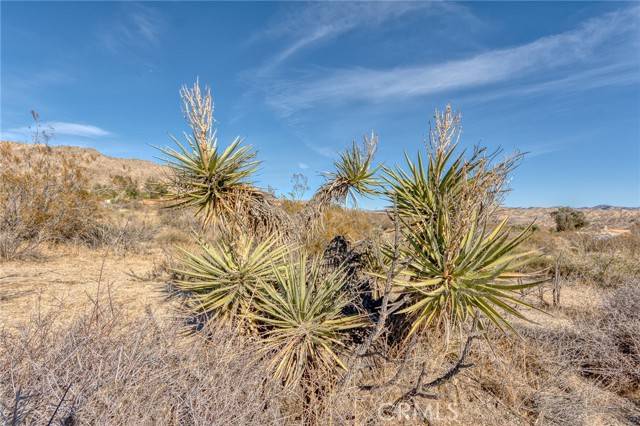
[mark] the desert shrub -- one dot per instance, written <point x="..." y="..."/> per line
<point x="568" y="219"/>
<point x="601" y="260"/>
<point x="455" y="266"/>
<point x="446" y="268"/>
<point x="107" y="368"/>
<point x="292" y="207"/>
<point x="179" y="219"/>
<point x="154" y="188"/>
<point x="225" y="278"/>
<point x="588" y="258"/>
<point x="606" y="346"/>
<point x="41" y="199"/>
<point x="213" y="181"/>
<point x="119" y="235"/>
<point x="301" y="314"/>
<point x="125" y="187"/>
<point x="104" y="192"/>
<point x="355" y="225"/>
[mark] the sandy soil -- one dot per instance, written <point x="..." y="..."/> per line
<point x="70" y="280"/>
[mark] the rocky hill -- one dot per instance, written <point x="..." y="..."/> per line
<point x="100" y="169"/>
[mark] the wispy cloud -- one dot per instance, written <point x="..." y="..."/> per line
<point x="303" y="166"/>
<point x="76" y="129"/>
<point x="137" y="26"/>
<point x="621" y="74"/>
<point x="304" y="27"/>
<point x="58" y="128"/>
<point x="588" y="46"/>
<point x="543" y="149"/>
<point x="324" y="151"/>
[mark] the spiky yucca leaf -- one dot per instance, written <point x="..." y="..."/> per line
<point x="225" y="277"/>
<point x="215" y="182"/>
<point x="483" y="277"/>
<point x="354" y="173"/>
<point x="454" y="267"/>
<point x="302" y="316"/>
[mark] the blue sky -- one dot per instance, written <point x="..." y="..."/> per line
<point x="300" y="81"/>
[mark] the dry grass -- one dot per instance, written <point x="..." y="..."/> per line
<point x="576" y="367"/>
<point x="604" y="345"/>
<point x="589" y="257"/>
<point x="108" y="368"/>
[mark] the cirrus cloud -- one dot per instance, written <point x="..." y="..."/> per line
<point x="598" y="42"/>
<point x="59" y="128"/>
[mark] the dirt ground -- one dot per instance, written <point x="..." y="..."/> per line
<point x="69" y="280"/>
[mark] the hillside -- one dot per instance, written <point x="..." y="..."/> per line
<point x="100" y="168"/>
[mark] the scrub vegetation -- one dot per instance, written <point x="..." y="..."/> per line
<point x="218" y="303"/>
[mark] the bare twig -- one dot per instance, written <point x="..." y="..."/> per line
<point x="420" y="389"/>
<point x="64" y="395"/>
<point x="556" y="283"/>
<point x="384" y="307"/>
<point x="400" y="369"/>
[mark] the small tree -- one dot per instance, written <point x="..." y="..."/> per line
<point x="300" y="186"/>
<point x="568" y="219"/>
<point x="39" y="134"/>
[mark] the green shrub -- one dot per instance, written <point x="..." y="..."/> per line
<point x="126" y="186"/>
<point x="568" y="219"/>
<point x="154" y="188"/>
<point x="301" y="312"/>
<point x="456" y="267"/>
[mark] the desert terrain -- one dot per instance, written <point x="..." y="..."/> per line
<point x="92" y="332"/>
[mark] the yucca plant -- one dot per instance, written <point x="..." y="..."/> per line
<point x="216" y="182"/>
<point x="226" y="277"/>
<point x="483" y="276"/>
<point x="354" y="174"/>
<point x="301" y="313"/>
<point x="453" y="267"/>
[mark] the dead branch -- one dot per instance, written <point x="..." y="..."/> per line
<point x="384" y="308"/>
<point x="399" y="370"/>
<point x="420" y="389"/>
<point x="64" y="395"/>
